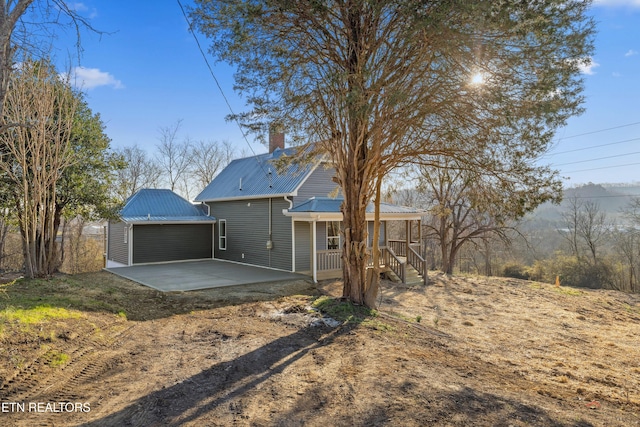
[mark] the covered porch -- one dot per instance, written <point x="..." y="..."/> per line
<point x="317" y="240"/>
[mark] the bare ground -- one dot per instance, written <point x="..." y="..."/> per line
<point x="462" y="351"/>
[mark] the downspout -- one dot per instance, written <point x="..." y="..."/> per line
<point x="289" y="201"/>
<point x="314" y="255"/>
<point x="270" y="242"/>
<point x="293" y="237"/>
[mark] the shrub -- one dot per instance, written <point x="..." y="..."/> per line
<point x="516" y="271"/>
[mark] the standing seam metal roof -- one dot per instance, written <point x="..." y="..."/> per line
<point x="329" y="205"/>
<point x="257" y="176"/>
<point x="159" y="205"/>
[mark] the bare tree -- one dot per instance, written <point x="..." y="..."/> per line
<point x="586" y="228"/>
<point x="35" y="155"/>
<point x="173" y="156"/>
<point x="381" y="82"/>
<point x="19" y="34"/>
<point x="468" y="207"/>
<point x="208" y="158"/>
<point x="627" y="243"/>
<point x="140" y="171"/>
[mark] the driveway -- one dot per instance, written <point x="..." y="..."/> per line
<point x="192" y="275"/>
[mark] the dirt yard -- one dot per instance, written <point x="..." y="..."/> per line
<point x="97" y="350"/>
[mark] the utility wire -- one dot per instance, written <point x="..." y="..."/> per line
<point x="244" y="136"/>
<point x="598" y="131"/>
<point x="604" y="167"/>
<point x="608" y="196"/>
<point x="595" y="159"/>
<point x="591" y="146"/>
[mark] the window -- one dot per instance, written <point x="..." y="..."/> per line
<point x="126" y="234"/>
<point x="333" y="234"/>
<point x="222" y="234"/>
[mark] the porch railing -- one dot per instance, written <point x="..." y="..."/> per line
<point x="329" y="260"/>
<point x="399" y="247"/>
<point x="418" y="263"/>
<point x="396" y="265"/>
<point x="332" y="259"/>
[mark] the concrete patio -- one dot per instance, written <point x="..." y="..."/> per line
<point x="204" y="274"/>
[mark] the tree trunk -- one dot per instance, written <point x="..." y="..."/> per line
<point x="354" y="249"/>
<point x="373" y="282"/>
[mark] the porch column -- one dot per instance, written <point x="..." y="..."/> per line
<point x="314" y="255"/>
<point x="407" y="224"/>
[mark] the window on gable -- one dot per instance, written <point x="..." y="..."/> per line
<point x="333" y="234"/>
<point x="222" y="234"/>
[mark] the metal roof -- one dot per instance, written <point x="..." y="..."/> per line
<point x="329" y="206"/>
<point x="257" y="176"/>
<point x="326" y="204"/>
<point x="160" y="205"/>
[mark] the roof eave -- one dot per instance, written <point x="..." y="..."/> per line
<point x="154" y="222"/>
<point x="253" y="197"/>
<point x="337" y="216"/>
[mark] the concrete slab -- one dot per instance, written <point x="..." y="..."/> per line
<point x="205" y="274"/>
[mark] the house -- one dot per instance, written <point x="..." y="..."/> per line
<point x="285" y="218"/>
<point x="159" y="226"/>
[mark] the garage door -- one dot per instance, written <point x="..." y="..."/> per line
<point x="171" y="242"/>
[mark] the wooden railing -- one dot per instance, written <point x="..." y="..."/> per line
<point x="399" y="247"/>
<point x="395" y="264"/>
<point x="419" y="263"/>
<point x="332" y="259"/>
<point x="380" y="258"/>
<point x="329" y="260"/>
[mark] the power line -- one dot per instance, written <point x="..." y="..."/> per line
<point x="592" y="146"/>
<point x="593" y="160"/>
<point x="605" y="196"/>
<point x="604" y="167"/>
<point x="598" y="131"/>
<point x="244" y="136"/>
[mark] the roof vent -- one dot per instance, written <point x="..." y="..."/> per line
<point x="240" y="187"/>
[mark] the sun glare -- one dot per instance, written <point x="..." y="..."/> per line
<point x="477" y="79"/>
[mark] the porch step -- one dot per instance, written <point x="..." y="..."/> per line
<point x="412" y="276"/>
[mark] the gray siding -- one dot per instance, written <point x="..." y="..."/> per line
<point x="248" y="232"/>
<point x="117" y="249"/>
<point x="171" y="242"/>
<point x="321" y="235"/>
<point x="382" y="240"/>
<point x="318" y="184"/>
<point x="303" y="246"/>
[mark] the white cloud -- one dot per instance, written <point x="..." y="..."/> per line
<point x="587" y="66"/>
<point x="631" y="3"/>
<point x="631" y="52"/>
<point x="616" y="74"/>
<point x="81" y="7"/>
<point x="78" y="7"/>
<point x="89" y="78"/>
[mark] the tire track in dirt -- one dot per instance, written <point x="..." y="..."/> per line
<point x="86" y="362"/>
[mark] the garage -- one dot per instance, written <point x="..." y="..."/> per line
<point x="156" y="226"/>
<point x="172" y="242"/>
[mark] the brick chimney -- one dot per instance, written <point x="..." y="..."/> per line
<point x="276" y="139"/>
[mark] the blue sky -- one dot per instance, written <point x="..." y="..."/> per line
<point x="148" y="73"/>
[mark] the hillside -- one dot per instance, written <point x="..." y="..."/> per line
<point x="462" y="351"/>
<point x="612" y="198"/>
